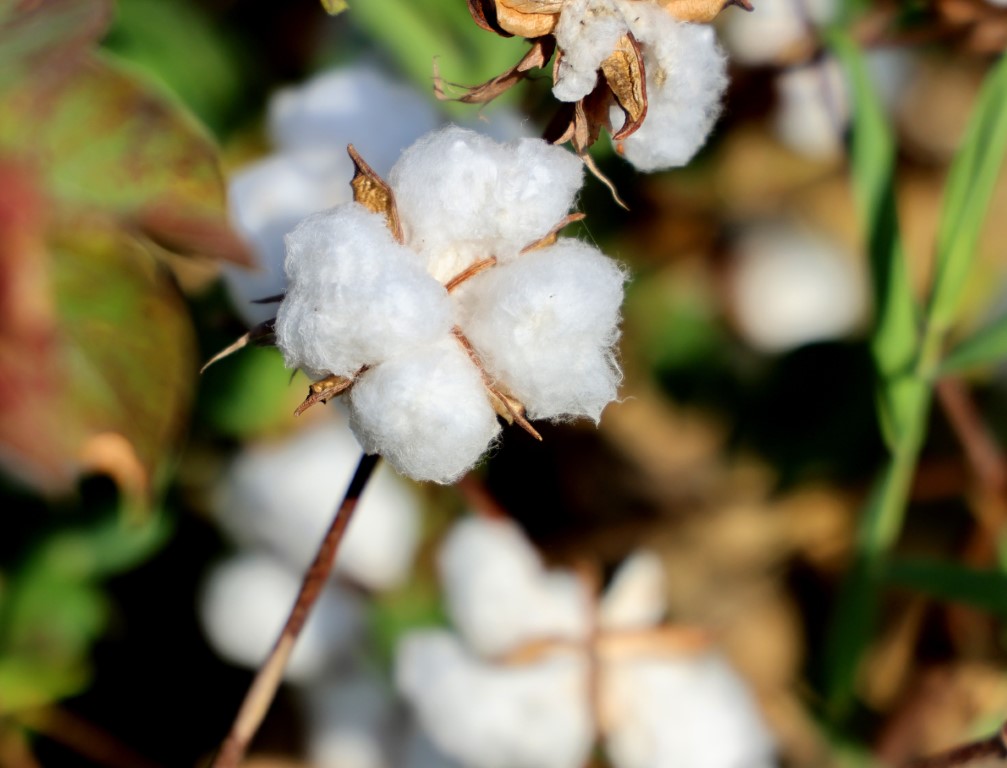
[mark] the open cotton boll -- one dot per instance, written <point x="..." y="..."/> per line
<point x="490" y="716"/>
<point x="546" y="325"/>
<point x="245" y="601"/>
<point x="426" y="412"/>
<point x="686" y="713"/>
<point x="500" y="595"/>
<point x="359" y="105"/>
<point x="790" y="286"/>
<point x="463" y="197"/>
<point x="354" y="295"/>
<point x="686" y="78"/>
<point x="812" y="109"/>
<point x="282" y="496"/>
<point x="265" y="201"/>
<point x="349" y="721"/>
<point x="775" y="28"/>
<point x="636" y="598"/>
<point x="587" y="33"/>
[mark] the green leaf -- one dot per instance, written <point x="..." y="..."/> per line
<point x="895" y="336"/>
<point x="105" y="139"/>
<point x="951" y="582"/>
<point x="969" y="189"/>
<point x="47" y="35"/>
<point x="988" y="345"/>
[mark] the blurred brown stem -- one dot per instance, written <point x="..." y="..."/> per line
<point x="267" y="680"/>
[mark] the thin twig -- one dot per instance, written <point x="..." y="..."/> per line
<point x="267" y="680"/>
<point x="968" y="754"/>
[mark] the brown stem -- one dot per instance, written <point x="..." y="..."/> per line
<point x="967" y="754"/>
<point x="267" y="680"/>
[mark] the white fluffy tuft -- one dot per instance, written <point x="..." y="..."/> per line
<point x="586" y="34"/>
<point x="489" y="716"/>
<point x="246" y="599"/>
<point x="686" y="78"/>
<point x="464" y="197"/>
<point x="775" y="27"/>
<point x="282" y="496"/>
<point x="355" y="297"/>
<point x="688" y="713"/>
<point x="499" y="594"/>
<point x="425" y="411"/>
<point x="546" y="325"/>
<point x="636" y="598"/>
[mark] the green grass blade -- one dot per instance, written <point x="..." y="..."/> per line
<point x="951" y="582"/>
<point x="970" y="186"/>
<point x="987" y="345"/>
<point x="895" y="336"/>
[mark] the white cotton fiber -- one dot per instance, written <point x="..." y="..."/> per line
<point x="791" y="286"/>
<point x="587" y="34"/>
<point x="500" y="595"/>
<point x="773" y="29"/>
<point x="355" y="296"/>
<point x="686" y="713"/>
<point x="486" y="716"/>
<point x="636" y="598"/>
<point x="282" y="496"/>
<point x="425" y="411"/>
<point x="546" y="326"/>
<point x="463" y="197"/>
<point x="349" y="720"/>
<point x="245" y="601"/>
<point x="265" y="201"/>
<point x="812" y="109"/>
<point x="686" y="79"/>
<point x="357" y="105"/>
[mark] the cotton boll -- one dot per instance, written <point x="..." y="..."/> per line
<point x="426" y="412"/>
<point x="636" y="598"/>
<point x="687" y="713"/>
<point x="791" y="287"/>
<point x="463" y="197"/>
<point x="358" y="105"/>
<point x="265" y="201"/>
<point x="419" y="751"/>
<point x="355" y="296"/>
<point x="813" y="109"/>
<point x="282" y="496"/>
<point x="686" y="78"/>
<point x="775" y="27"/>
<point x="487" y="716"/>
<point x="349" y="721"/>
<point x="499" y="594"/>
<point x="546" y="325"/>
<point x="586" y="34"/>
<point x="245" y="601"/>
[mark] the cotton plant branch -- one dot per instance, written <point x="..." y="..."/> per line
<point x="267" y="680"/>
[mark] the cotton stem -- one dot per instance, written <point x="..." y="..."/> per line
<point x="263" y="689"/>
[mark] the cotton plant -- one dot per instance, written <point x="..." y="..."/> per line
<point x="651" y="72"/>
<point x="274" y="502"/>
<point x="538" y="668"/>
<point x="444" y="298"/>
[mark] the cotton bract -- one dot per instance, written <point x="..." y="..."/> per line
<point x="537" y="326"/>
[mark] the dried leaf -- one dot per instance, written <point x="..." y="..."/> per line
<point x="373" y="192"/>
<point x="525" y="24"/>
<point x="551" y="238"/>
<point x="701" y="11"/>
<point x="533" y="6"/>
<point x="469" y="273"/>
<point x="192" y="233"/>
<point x="624" y="73"/>
<point x="323" y="390"/>
<point x="261" y="335"/>
<point x="539" y="54"/>
<point x="510" y="410"/>
<point x="484" y="13"/>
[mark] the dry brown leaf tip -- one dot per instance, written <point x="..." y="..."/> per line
<point x="373" y="192"/>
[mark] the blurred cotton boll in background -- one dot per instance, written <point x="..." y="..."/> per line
<point x="790" y="285"/>
<point x="516" y="690"/>
<point x="245" y="601"/>
<point x="776" y="28"/>
<point x="310" y="171"/>
<point x="282" y="496"/>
